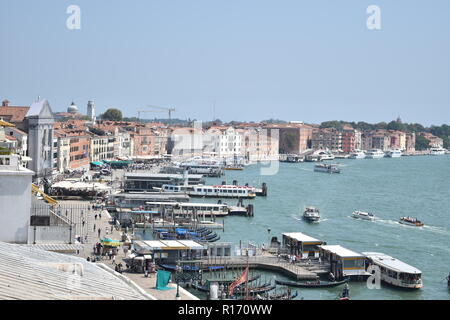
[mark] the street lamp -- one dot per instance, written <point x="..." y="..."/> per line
<point x="268" y="243"/>
<point x="178" y="271"/>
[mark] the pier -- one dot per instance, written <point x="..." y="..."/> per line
<point x="298" y="271"/>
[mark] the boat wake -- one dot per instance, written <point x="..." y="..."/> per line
<point x="435" y="229"/>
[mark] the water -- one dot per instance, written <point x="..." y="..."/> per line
<point x="389" y="188"/>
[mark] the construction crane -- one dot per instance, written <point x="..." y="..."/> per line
<point x="169" y="110"/>
<point x="143" y="111"/>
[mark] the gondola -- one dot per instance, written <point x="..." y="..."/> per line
<point x="252" y="291"/>
<point x="205" y="288"/>
<point x="321" y="284"/>
<point x="279" y="296"/>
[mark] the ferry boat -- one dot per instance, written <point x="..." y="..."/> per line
<point x="394" y="153"/>
<point x="311" y="214"/>
<point x="411" y="222"/>
<point x="363" y="215"/>
<point x="374" y="154"/>
<point x="437" y="151"/>
<point x="218" y="191"/>
<point x="396" y="272"/>
<point x="357" y="154"/>
<point x="328" y="168"/>
<point x="189" y="209"/>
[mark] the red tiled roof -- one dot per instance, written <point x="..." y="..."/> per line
<point x="13" y="114"/>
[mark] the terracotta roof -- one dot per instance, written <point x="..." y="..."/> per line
<point x="13" y="114"/>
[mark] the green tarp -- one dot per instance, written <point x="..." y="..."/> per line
<point x="97" y="163"/>
<point x="162" y="280"/>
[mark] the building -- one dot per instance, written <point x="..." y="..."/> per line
<point x="410" y="142"/>
<point x="91" y="111"/>
<point x="343" y="262"/>
<point x="40" y="123"/>
<point x="294" y="138"/>
<point x="328" y="139"/>
<point x="260" y="144"/>
<point x="185" y="142"/>
<point x="302" y="245"/>
<point x="14" y="115"/>
<point x="224" y="142"/>
<point x="435" y="142"/>
<point x="15" y="199"/>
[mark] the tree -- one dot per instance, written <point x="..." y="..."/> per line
<point x="112" y="114"/>
<point x="422" y="143"/>
<point x="396" y="125"/>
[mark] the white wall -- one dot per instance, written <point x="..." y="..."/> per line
<point x="15" y="205"/>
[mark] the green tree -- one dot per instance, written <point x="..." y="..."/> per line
<point x="112" y="114"/>
<point x="422" y="143"/>
<point x="395" y="125"/>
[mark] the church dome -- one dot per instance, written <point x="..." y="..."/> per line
<point x="72" y="108"/>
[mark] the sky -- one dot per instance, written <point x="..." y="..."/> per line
<point x="253" y="60"/>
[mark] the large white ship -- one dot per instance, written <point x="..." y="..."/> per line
<point x="437" y="151"/>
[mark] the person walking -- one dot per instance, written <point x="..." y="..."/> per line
<point x="95" y="217"/>
<point x="99" y="215"/>
<point x="114" y="259"/>
<point x="99" y="231"/>
<point x="94" y="227"/>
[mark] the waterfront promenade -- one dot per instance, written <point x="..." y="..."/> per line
<point x="104" y="224"/>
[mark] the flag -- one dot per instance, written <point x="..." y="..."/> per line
<point x="243" y="278"/>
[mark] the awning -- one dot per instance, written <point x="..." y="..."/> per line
<point x="97" y="163"/>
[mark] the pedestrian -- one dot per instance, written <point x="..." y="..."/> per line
<point x="112" y="229"/>
<point x="114" y="259"/>
<point x="94" y="227"/>
<point x="95" y="217"/>
<point x="99" y="215"/>
<point x="99" y="231"/>
<point x="83" y="222"/>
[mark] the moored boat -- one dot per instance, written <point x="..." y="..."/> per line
<point x="374" y="154"/>
<point x="411" y="221"/>
<point x="394" y="153"/>
<point x="312" y="284"/>
<point x="357" y="154"/>
<point x="437" y="151"/>
<point x="395" y="272"/>
<point x="363" y="215"/>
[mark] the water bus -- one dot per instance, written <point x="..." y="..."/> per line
<point x="189" y="209"/>
<point x="396" y="272"/>
<point x="218" y="191"/>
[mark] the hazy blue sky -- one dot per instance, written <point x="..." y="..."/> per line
<point x="293" y="60"/>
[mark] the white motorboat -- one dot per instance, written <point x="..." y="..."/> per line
<point x="325" y="155"/>
<point x="374" y="154"/>
<point x="437" y="151"/>
<point x="327" y="168"/>
<point x="395" y="272"/>
<point x="311" y="214"/>
<point x="363" y="215"/>
<point x="394" y="153"/>
<point x="357" y="154"/>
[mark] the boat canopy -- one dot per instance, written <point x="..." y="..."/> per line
<point x="300" y="237"/>
<point x="391" y="263"/>
<point x="341" y="251"/>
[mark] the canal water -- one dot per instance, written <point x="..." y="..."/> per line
<point x="416" y="186"/>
